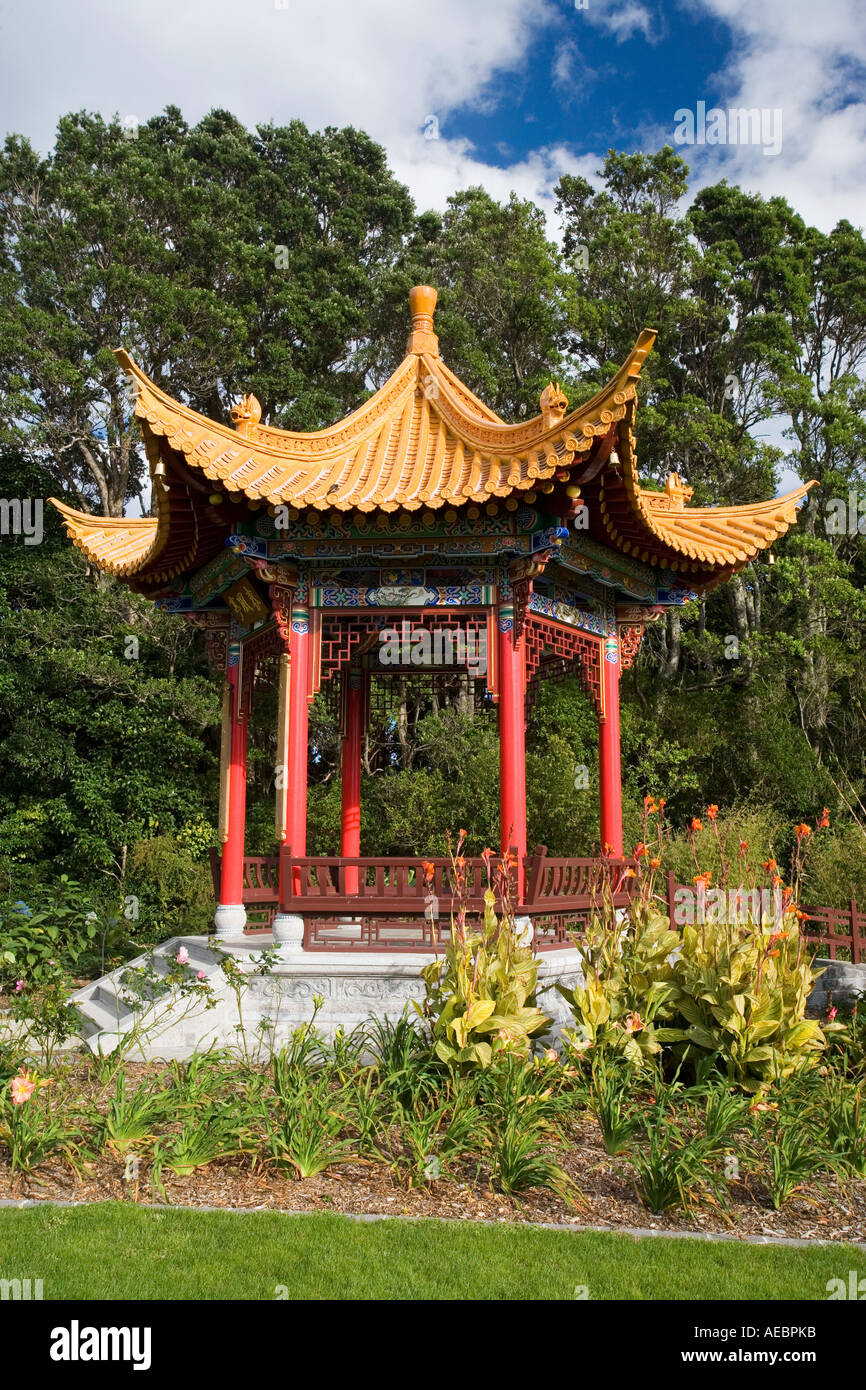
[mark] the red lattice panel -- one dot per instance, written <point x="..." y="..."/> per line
<point x="555" y="651"/>
<point x="343" y="634"/>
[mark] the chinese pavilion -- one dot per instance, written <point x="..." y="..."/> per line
<point x="420" y="535"/>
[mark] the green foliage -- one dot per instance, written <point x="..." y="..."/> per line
<point x="173" y="887"/>
<point x="612" y="1102"/>
<point x="835" y="871"/>
<point x="741" y="994"/>
<point x="132" y="1117"/>
<point x="60" y="926"/>
<point x="628" y="981"/>
<point x="479" y="997"/>
<point x="673" y="1168"/>
<point x="30" y="1129"/>
<point x="45" y="1014"/>
<point x="305" y="1125"/>
<point x="216" y="1132"/>
<point x="796" y="1156"/>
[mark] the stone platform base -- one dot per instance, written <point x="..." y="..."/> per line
<point x="352" y="987"/>
<point x="841" y="983"/>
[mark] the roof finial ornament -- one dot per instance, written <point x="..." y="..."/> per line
<point x="422" y="302"/>
<point x="678" y="492"/>
<point x="245" y="415"/>
<point x="554" y="404"/>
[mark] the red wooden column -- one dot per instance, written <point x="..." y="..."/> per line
<point x="609" y="759"/>
<point x="350" y="821"/>
<point x="299" y="683"/>
<point x="512" y="741"/>
<point x="231" y="916"/>
<point x="288" y="927"/>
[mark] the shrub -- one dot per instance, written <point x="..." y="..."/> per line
<point x="835" y="871"/>
<point x="173" y="886"/>
<point x="628" y="981"/>
<point x="480" y="997"/>
<point x="724" y="986"/>
<point x="61" y="924"/>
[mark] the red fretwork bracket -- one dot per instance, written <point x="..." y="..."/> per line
<point x="282" y="598"/>
<point x="554" y="650"/>
<point x="630" y="637"/>
<point x="521" y="575"/>
<point x="282" y="582"/>
<point x="263" y="649"/>
<point x="215" y="627"/>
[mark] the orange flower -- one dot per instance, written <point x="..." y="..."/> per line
<point x="824" y="822"/>
<point x="628" y="873"/>
<point x="803" y="830"/>
<point x="640" y="851"/>
<point x="649" y="805"/>
<point x="705" y="879"/>
<point x="696" y="823"/>
<point x="655" y="863"/>
<point x="712" y="811"/>
<point x="743" y="846"/>
<point x="662" y="803"/>
<point x="22" y="1087"/>
<point x="769" y="864"/>
<point x="634" y="1023"/>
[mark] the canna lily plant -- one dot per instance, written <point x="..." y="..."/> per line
<point x="480" y="997"/>
<point x="628" y="984"/>
<point x="741" y="993"/>
<point x="729" y="985"/>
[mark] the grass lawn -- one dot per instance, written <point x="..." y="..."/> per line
<point x="114" y="1250"/>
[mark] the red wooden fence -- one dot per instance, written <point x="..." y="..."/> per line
<point x="395" y="907"/>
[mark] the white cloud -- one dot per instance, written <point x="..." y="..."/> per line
<point x="388" y="65"/>
<point x="380" y="64"/>
<point x="435" y="168"/>
<point x="624" y="21"/>
<point x="806" y="60"/>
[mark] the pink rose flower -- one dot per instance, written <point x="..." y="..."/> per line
<point x="182" y="956"/>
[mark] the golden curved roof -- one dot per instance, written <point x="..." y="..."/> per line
<point x="423" y="440"/>
<point x="120" y="545"/>
<point x="658" y="525"/>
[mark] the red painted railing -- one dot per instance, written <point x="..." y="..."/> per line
<point x="396" y="908"/>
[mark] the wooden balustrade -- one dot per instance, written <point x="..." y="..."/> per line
<point x="561" y="894"/>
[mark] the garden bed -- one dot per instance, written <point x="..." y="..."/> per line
<point x="826" y="1208"/>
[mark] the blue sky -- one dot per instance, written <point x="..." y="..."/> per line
<point x="593" y="93"/>
<point x="522" y="90"/>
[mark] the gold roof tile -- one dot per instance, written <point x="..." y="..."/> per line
<point x="422" y="440"/>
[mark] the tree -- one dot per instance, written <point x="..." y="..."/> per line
<point x="224" y="260"/>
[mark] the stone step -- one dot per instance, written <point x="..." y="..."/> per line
<point x="200" y="956"/>
<point x="102" y="1017"/>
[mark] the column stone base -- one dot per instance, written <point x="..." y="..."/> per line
<point x="229" y="921"/>
<point x="288" y="930"/>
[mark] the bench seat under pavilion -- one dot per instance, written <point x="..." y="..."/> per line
<point x="418" y="537"/>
